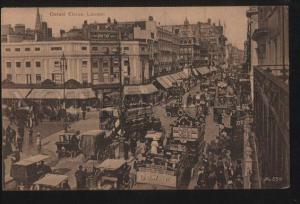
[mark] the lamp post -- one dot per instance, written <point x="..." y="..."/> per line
<point x="63" y="67"/>
<point x="122" y="139"/>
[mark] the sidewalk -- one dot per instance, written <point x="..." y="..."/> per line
<point x="49" y="146"/>
<point x="250" y="165"/>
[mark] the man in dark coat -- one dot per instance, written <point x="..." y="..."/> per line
<point x="30" y="135"/>
<point x="80" y="178"/>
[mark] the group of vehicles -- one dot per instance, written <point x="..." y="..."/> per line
<point x="111" y="174"/>
<point x="171" y="167"/>
<point x="33" y="174"/>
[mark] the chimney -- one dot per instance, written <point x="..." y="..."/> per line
<point x="209" y="21"/>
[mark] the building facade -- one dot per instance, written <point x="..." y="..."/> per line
<point x="34" y="62"/>
<point x="271" y="95"/>
<point x="250" y="45"/>
<point x="189" y="53"/>
<point x="214" y="35"/>
<point x="236" y="56"/>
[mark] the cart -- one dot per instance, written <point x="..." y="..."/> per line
<point x="95" y="144"/>
<point x="114" y="173"/>
<point x="93" y="174"/>
<point x="26" y="171"/>
<point x="174" y="110"/>
<point x="64" y="144"/>
<point x="51" y="182"/>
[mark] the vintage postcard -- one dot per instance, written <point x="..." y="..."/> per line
<point x="134" y="98"/>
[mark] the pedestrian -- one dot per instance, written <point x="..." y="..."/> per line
<point x="126" y="149"/>
<point x="66" y="186"/>
<point x="74" y="144"/>
<point x="30" y="135"/>
<point x="66" y="124"/>
<point x="20" y="143"/>
<point x="39" y="142"/>
<point x="8" y="134"/>
<point x="83" y="108"/>
<point x="80" y="178"/>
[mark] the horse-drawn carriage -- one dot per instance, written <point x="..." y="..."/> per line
<point x="96" y="144"/>
<point x="174" y="110"/>
<point x="68" y="144"/>
<point x="111" y="174"/>
<point x="29" y="170"/>
<point x="51" y="182"/>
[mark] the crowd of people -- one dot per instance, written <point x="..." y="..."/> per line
<point x="221" y="163"/>
<point x="219" y="169"/>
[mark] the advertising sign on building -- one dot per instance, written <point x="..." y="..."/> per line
<point x="185" y="133"/>
<point x="105" y="35"/>
<point x="156" y="179"/>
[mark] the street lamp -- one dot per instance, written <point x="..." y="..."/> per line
<point x="122" y="139"/>
<point x="63" y="67"/>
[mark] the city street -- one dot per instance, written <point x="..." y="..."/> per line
<point x="164" y="104"/>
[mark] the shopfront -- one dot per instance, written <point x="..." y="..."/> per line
<point x="137" y="94"/>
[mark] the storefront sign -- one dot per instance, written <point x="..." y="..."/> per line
<point x="156" y="179"/>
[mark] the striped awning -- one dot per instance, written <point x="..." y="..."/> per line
<point x="14" y="93"/>
<point x="80" y="93"/>
<point x="176" y="76"/>
<point x="184" y="74"/>
<point x="140" y="89"/>
<point x="171" y="79"/>
<point x="164" y="82"/>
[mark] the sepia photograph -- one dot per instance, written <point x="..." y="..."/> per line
<point x="145" y="98"/>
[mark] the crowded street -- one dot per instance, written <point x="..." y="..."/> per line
<point x="142" y="103"/>
<point x="210" y="165"/>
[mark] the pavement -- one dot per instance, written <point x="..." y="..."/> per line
<point x="67" y="165"/>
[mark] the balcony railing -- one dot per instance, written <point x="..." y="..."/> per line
<point x="280" y="72"/>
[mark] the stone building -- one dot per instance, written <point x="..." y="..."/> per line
<point x="271" y="95"/>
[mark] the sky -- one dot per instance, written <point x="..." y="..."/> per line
<point x="234" y="17"/>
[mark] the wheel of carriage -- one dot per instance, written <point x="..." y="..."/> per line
<point x="169" y="114"/>
<point x="180" y="112"/>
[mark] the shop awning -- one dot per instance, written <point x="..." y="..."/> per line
<point x="213" y="69"/>
<point x="203" y="70"/>
<point x="164" y="82"/>
<point x="14" y="93"/>
<point x="176" y="76"/>
<point x="195" y="72"/>
<point x="173" y="77"/>
<point x="140" y="89"/>
<point x="184" y="75"/>
<point x="172" y="80"/>
<point x="84" y="93"/>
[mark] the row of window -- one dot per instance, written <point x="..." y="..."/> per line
<point x="28" y="49"/>
<point x="38" y="77"/>
<point x="106" y="49"/>
<point x="38" y="64"/>
<point x="27" y="64"/>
